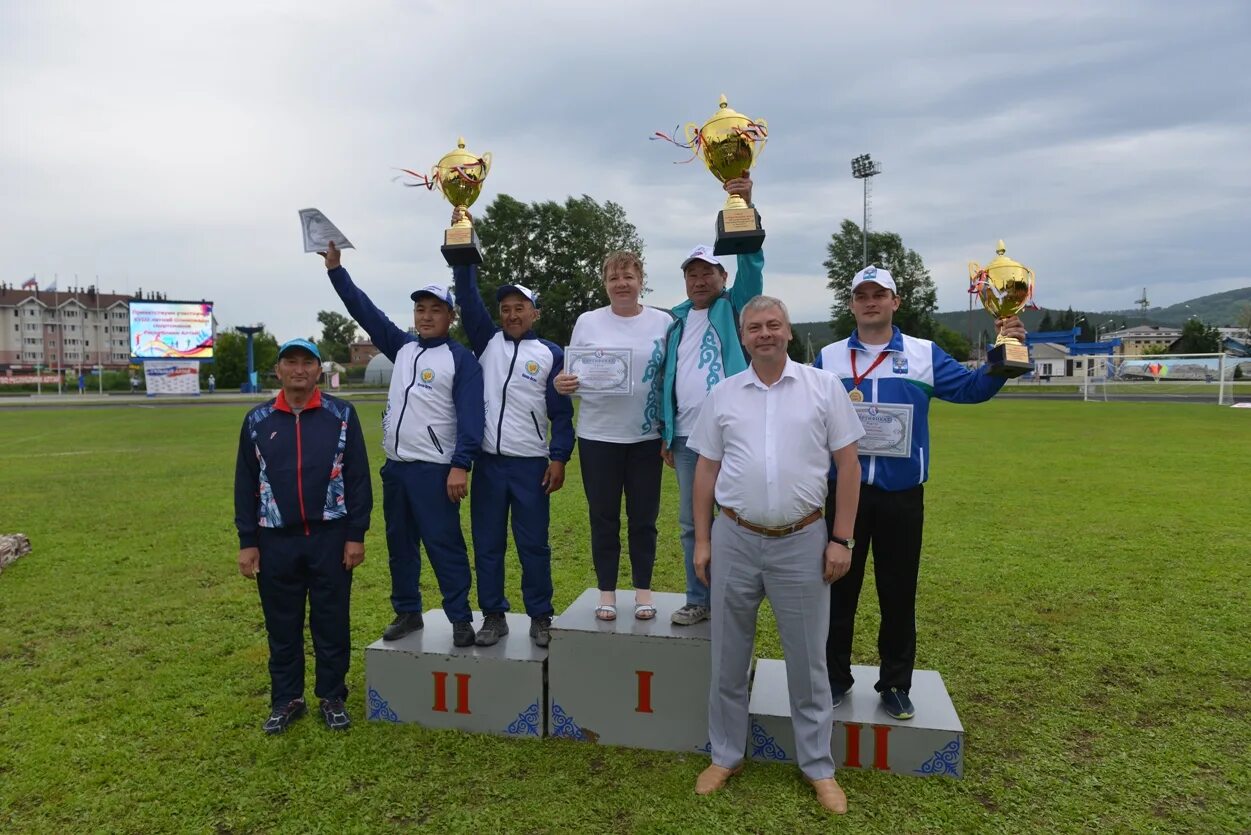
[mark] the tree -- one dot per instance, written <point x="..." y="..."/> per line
<point x="556" y="250"/>
<point x="338" y="332"/>
<point x="1197" y="338"/>
<point x="1244" y="321"/>
<point x="230" y="357"/>
<point x="953" y="342"/>
<point x="917" y="297"/>
<point x="1047" y="324"/>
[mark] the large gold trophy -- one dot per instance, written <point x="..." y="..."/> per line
<point x="459" y="175"/>
<point x="1005" y="287"/>
<point x="730" y="143"/>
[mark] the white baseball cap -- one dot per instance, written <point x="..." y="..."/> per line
<point x="439" y="291"/>
<point x="876" y="276"/>
<point x="526" y="292"/>
<point x="702" y="253"/>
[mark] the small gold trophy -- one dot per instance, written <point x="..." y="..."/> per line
<point x="1005" y="288"/>
<point x="460" y="175"/>
<point x="730" y="143"/>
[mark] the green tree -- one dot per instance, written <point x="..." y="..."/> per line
<point x="338" y="332"/>
<point x="918" y="299"/>
<point x="953" y="342"/>
<point x="1197" y="338"/>
<point x="230" y="358"/>
<point x="1047" y="324"/>
<point x="556" y="250"/>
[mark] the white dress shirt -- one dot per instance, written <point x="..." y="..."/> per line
<point x="775" y="442"/>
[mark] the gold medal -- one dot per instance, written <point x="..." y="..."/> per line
<point x="855" y="395"/>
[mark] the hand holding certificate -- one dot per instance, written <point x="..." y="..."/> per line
<point x="605" y="371"/>
<point x="320" y="232"/>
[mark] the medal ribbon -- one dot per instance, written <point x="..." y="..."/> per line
<point x="857" y="379"/>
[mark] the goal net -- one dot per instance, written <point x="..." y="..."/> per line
<point x="1196" y="378"/>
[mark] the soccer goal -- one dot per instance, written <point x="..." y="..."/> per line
<point x="1196" y="378"/>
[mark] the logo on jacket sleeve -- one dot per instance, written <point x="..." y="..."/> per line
<point x="899" y="364"/>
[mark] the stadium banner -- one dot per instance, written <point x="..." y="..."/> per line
<point x="171" y="377"/>
<point x="11" y="379"/>
<point x="171" y="330"/>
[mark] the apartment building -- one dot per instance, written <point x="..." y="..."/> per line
<point x="77" y="328"/>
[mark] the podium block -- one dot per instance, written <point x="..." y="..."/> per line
<point x="423" y="678"/>
<point x="641" y="684"/>
<point x="931" y="743"/>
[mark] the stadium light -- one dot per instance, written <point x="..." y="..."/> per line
<point x="864" y="168"/>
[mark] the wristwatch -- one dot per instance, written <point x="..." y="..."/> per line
<point x="849" y="544"/>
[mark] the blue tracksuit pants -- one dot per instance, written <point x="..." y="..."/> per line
<point x="417" y="510"/>
<point x="504" y="485"/>
<point x="296" y="568"/>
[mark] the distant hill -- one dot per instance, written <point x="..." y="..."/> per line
<point x="1218" y="309"/>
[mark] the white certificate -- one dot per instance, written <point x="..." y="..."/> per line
<point x="887" y="429"/>
<point x="319" y="231"/>
<point x="601" y="370"/>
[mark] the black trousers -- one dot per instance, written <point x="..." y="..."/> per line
<point x="608" y="470"/>
<point x="890" y="522"/>
<point x="294" y="569"/>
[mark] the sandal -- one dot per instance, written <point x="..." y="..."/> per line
<point x="644" y="611"/>
<point x="606" y="612"/>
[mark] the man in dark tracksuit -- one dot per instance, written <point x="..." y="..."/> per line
<point x="519" y="468"/>
<point x="431" y="434"/>
<point x="302" y="505"/>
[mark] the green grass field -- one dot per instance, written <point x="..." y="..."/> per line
<point x="1084" y="593"/>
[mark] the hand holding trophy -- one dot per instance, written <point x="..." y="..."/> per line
<point x="729" y="144"/>
<point x="1005" y="287"/>
<point x="459" y="175"/>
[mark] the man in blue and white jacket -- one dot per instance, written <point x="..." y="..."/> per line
<point x="431" y="434"/>
<point x="891" y="378"/>
<point x="521" y="463"/>
<point x="702" y="349"/>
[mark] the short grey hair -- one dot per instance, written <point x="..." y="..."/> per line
<point x="764" y="303"/>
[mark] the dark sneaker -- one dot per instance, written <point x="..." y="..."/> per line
<point x="462" y="634"/>
<point x="838" y="695"/>
<point x="541" y="630"/>
<point x="335" y="714"/>
<point x="690" y="615"/>
<point x="494" y="627"/>
<point x="897" y="703"/>
<point x="283" y="716"/>
<point x="405" y="623"/>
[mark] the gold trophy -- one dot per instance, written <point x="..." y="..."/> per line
<point x="460" y="176"/>
<point x="1005" y="287"/>
<point x="730" y="143"/>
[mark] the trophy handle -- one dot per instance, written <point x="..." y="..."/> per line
<point x="758" y="146"/>
<point x="486" y="164"/>
<point x="975" y="269"/>
<point x="693" y="139"/>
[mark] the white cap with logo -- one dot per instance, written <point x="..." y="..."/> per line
<point x="440" y="292"/>
<point x="874" y="275"/>
<point x="702" y="253"/>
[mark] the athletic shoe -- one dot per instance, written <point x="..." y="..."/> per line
<point x="335" y="714"/>
<point x="541" y="630"/>
<point x="897" y="703"/>
<point x="462" y="634"/>
<point x="405" y="623"/>
<point x="690" y="615"/>
<point x="494" y="627"/>
<point x="837" y="694"/>
<point x="283" y="716"/>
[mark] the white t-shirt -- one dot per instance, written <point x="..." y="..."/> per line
<point x="699" y="368"/>
<point x="616" y="418"/>
<point x="774" y="442"/>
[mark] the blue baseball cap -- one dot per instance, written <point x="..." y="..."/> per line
<point x="302" y="344"/>
<point x="438" y="291"/>
<point x="525" y="292"/>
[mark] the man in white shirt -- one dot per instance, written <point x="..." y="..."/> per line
<point x="765" y="437"/>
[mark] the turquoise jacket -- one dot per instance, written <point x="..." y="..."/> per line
<point x="722" y="318"/>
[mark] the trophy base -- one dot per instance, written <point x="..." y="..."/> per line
<point x="460" y="247"/>
<point x="738" y="232"/>
<point x="1008" y="361"/>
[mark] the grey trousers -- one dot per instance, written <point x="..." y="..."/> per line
<point x="746" y="568"/>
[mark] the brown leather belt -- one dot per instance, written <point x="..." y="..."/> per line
<point x="785" y="530"/>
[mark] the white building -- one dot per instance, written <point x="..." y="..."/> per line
<point x="77" y="329"/>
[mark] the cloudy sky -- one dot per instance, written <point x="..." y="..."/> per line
<point x="159" y="147"/>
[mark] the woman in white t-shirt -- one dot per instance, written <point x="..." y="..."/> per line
<point x="619" y="435"/>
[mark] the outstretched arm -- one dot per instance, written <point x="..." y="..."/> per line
<point x="382" y="331"/>
<point x="473" y="313"/>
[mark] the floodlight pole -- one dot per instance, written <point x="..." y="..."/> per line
<point x="250" y="331"/>
<point x="864" y="168"/>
